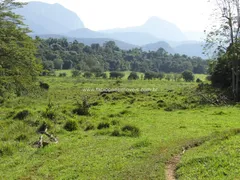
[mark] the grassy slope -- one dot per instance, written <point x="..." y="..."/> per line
<point x="96" y="154"/>
<point x="213" y="160"/>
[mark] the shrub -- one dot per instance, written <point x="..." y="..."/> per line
<point x="188" y="76"/>
<point x="103" y="125"/>
<point x="22" y="115"/>
<point x="44" y="85"/>
<point x="89" y="127"/>
<point x="116" y="75"/>
<point x="160" y="75"/>
<point x="21" y="137"/>
<point x="131" y="131"/>
<point x="63" y="74"/>
<point x="50" y="112"/>
<point x="150" y="75"/>
<point x="76" y="73"/>
<point x="6" y="149"/>
<point x="133" y="76"/>
<point x="82" y="109"/>
<point x="103" y="75"/>
<point x="198" y="80"/>
<point x="87" y="75"/>
<point x="71" y="125"/>
<point x="116" y="133"/>
<point x="169" y="77"/>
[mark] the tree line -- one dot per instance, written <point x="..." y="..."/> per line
<point x="61" y="54"/>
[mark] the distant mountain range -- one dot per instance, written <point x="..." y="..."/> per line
<point x="45" y="18"/>
<point x="54" y="20"/>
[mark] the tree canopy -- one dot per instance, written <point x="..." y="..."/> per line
<point x="111" y="58"/>
<point x="18" y="64"/>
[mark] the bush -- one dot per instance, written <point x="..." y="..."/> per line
<point x="89" y="127"/>
<point x="22" y="115"/>
<point x="103" y="75"/>
<point x="131" y="131"/>
<point x="116" y="75"/>
<point x="133" y="76"/>
<point x="188" y="76"/>
<point x="116" y="133"/>
<point x="71" y="125"/>
<point x="150" y="75"/>
<point x="169" y="77"/>
<point x="87" y="75"/>
<point x="82" y="109"/>
<point x="43" y="127"/>
<point x="160" y="75"/>
<point x="198" y="80"/>
<point x="76" y="73"/>
<point x="103" y="126"/>
<point x="21" y="137"/>
<point x="63" y="74"/>
<point x="44" y="85"/>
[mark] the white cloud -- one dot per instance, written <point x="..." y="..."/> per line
<point x="188" y="15"/>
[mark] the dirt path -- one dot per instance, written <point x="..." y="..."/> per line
<point x="171" y="167"/>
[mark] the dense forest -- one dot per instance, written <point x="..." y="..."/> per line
<point x="61" y="54"/>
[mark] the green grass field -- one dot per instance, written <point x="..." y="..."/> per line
<point x="164" y="117"/>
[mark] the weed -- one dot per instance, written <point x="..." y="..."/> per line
<point x="116" y="133"/>
<point x="71" y="125"/>
<point x="103" y="125"/>
<point x="22" y="115"/>
<point x="131" y="131"/>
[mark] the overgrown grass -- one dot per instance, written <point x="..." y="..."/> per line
<point x="101" y="147"/>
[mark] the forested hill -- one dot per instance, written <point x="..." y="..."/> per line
<point x="61" y="54"/>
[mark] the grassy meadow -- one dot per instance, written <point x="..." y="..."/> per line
<point x="130" y="133"/>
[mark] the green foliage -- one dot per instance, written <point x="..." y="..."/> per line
<point x="150" y="75"/>
<point x="133" y="76"/>
<point x="71" y="125"/>
<point x="109" y="57"/>
<point x="18" y="64"/>
<point x="82" y="109"/>
<point x="116" y="75"/>
<point x="131" y="131"/>
<point x="188" y="76"/>
<point x="62" y="74"/>
<point x="22" y="115"/>
<point x="76" y="73"/>
<point x="87" y="75"/>
<point x="103" y="125"/>
<point x="44" y="85"/>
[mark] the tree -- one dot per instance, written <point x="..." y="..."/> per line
<point x="226" y="38"/>
<point x="133" y="76"/>
<point x="18" y="64"/>
<point x="116" y="75"/>
<point x="188" y="76"/>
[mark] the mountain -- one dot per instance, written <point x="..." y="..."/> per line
<point x="156" y="46"/>
<point x="85" y="33"/>
<point x="138" y="38"/>
<point x="49" y="18"/>
<point x="191" y="49"/>
<point x="89" y="41"/>
<point x="157" y="27"/>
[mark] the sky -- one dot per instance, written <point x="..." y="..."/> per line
<point x="188" y="15"/>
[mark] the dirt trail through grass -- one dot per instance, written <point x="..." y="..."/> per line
<point x="171" y="165"/>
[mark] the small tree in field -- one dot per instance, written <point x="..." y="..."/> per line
<point x="188" y="76"/>
<point x="116" y="75"/>
<point x="133" y="76"/>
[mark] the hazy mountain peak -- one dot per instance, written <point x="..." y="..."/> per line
<point x="55" y="18"/>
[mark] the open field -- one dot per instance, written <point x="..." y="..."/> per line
<point x="131" y="133"/>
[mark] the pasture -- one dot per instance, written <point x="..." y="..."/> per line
<point x="129" y="133"/>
